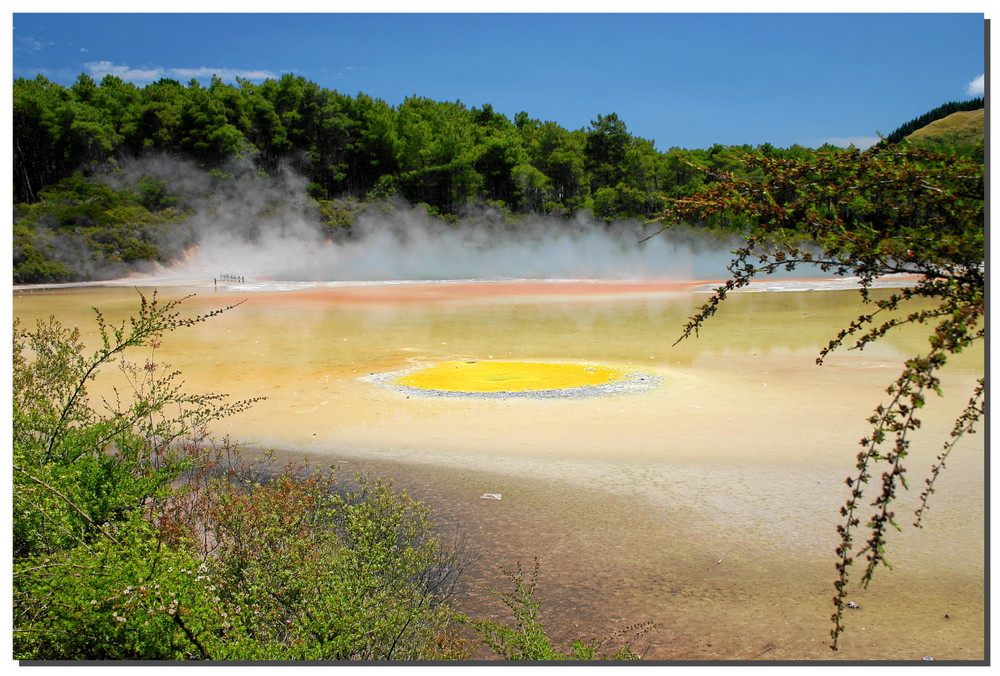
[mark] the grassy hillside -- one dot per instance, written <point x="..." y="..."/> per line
<point x="962" y="128"/>
<point x="938" y="113"/>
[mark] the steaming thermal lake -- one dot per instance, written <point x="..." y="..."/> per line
<point x="707" y="504"/>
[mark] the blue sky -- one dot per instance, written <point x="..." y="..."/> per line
<point x="685" y="80"/>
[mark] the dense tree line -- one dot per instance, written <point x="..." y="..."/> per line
<point x="71" y="224"/>
<point x="443" y="154"/>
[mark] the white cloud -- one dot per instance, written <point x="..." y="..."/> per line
<point x="977" y="87"/>
<point x="859" y="142"/>
<point x="33" y="45"/>
<point x="98" y="69"/>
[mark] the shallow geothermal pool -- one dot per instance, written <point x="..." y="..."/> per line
<point x="705" y="501"/>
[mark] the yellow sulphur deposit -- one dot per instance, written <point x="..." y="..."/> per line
<point x="507" y="376"/>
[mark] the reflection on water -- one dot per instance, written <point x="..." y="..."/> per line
<point x="739" y="454"/>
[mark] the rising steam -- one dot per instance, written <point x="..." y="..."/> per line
<point x="406" y="244"/>
<point x="266" y="228"/>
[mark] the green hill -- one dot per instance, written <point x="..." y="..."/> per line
<point x="938" y="113"/>
<point x="962" y="128"/>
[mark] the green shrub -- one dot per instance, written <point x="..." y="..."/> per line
<point x="307" y="571"/>
<point x="136" y="539"/>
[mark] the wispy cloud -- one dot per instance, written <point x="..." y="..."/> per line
<point x="977" y="87"/>
<point x="31" y="44"/>
<point x="859" y="142"/>
<point x="99" y="69"/>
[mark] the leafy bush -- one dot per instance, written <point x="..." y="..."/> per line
<point x="84" y="229"/>
<point x="307" y="571"/>
<point x="134" y="538"/>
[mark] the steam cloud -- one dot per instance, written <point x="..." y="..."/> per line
<point x="408" y="244"/>
<point x="266" y="228"/>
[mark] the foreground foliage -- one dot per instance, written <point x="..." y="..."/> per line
<point x="135" y="538"/>
<point x="890" y="210"/>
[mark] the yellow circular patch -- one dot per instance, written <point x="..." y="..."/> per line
<point x="507" y="376"/>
